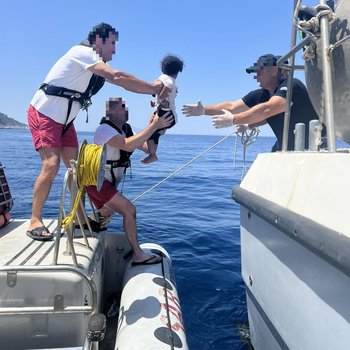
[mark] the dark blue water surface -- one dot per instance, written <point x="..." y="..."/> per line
<point x="192" y="215"/>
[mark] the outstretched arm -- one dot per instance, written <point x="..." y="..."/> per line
<point x="125" y="80"/>
<point x="198" y="109"/>
<point x="137" y="141"/>
<point x="255" y="115"/>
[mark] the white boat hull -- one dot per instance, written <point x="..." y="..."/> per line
<point x="296" y="267"/>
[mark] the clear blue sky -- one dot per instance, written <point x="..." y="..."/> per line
<point x="216" y="39"/>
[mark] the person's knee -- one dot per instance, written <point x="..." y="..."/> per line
<point x="50" y="169"/>
<point x="130" y="211"/>
<point x="122" y="206"/>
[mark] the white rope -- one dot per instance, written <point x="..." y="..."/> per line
<point x="247" y="137"/>
<point x="235" y="152"/>
<point x="184" y="166"/>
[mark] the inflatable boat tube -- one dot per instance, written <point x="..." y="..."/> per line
<point x="150" y="315"/>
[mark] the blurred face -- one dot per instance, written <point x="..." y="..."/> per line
<point x="267" y="77"/>
<point x="116" y="111"/>
<point x="106" y="49"/>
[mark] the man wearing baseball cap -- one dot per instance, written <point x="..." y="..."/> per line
<point x="264" y="105"/>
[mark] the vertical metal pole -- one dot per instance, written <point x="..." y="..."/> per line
<point x="327" y="82"/>
<point x="299" y="138"/>
<point x="70" y="230"/>
<point x="289" y="85"/>
<point x="60" y="217"/>
<point x="315" y="132"/>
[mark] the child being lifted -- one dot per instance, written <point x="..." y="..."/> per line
<point x="170" y="66"/>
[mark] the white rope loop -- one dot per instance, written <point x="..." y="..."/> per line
<point x="247" y="136"/>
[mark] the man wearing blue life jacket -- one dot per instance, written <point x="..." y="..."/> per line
<point x="67" y="88"/>
<point x="117" y="135"/>
<point x="264" y="105"/>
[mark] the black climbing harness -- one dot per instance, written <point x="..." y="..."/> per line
<point x="124" y="159"/>
<point x="84" y="98"/>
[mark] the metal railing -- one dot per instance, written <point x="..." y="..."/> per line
<point x="57" y="307"/>
<point x="71" y="178"/>
<point x="326" y="71"/>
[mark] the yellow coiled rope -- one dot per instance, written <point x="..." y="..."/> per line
<point x="87" y="174"/>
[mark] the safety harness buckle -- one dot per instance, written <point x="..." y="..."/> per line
<point x="86" y="104"/>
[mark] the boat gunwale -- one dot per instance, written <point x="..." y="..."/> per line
<point x="328" y="244"/>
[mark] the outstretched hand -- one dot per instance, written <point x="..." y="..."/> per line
<point x="223" y="120"/>
<point x="190" y="110"/>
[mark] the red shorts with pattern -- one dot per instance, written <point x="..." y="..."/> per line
<point x="48" y="133"/>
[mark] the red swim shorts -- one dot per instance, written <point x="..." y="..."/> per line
<point x="106" y="193"/>
<point x="47" y="133"/>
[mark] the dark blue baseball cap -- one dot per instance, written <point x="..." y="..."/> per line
<point x="267" y="60"/>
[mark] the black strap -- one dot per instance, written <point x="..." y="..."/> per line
<point x="122" y="162"/>
<point x="104" y="120"/>
<point x="84" y="98"/>
<point x="67" y="125"/>
<point x="95" y="85"/>
<point x="124" y="159"/>
<point x="61" y="92"/>
<point x="113" y="165"/>
<point x="118" y="164"/>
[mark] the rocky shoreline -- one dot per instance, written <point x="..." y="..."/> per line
<point x="10" y="123"/>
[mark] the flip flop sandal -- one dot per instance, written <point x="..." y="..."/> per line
<point x="150" y="261"/>
<point x="37" y="234"/>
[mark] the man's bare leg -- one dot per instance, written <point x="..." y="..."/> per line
<point x="68" y="153"/>
<point x="50" y="158"/>
<point x="123" y="206"/>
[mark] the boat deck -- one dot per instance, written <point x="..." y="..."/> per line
<point x="17" y="249"/>
<point x="42" y="298"/>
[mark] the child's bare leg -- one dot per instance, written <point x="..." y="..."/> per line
<point x="152" y="149"/>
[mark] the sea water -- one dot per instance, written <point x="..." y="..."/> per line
<point x="191" y="214"/>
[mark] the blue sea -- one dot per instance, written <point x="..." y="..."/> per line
<point x="191" y="214"/>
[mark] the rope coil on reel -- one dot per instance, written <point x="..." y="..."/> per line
<point x="90" y="169"/>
